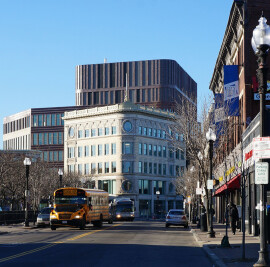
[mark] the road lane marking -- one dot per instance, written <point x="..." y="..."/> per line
<point x="52" y="244"/>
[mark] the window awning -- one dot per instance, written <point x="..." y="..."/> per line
<point x="233" y="184"/>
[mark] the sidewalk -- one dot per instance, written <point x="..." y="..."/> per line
<point x="19" y="227"/>
<point x="232" y="256"/>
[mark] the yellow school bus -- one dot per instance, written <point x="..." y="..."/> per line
<point x="77" y="207"/>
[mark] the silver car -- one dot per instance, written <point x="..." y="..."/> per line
<point x="176" y="217"/>
<point x="43" y="217"/>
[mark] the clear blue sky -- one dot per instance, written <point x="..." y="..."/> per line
<point x="42" y="42"/>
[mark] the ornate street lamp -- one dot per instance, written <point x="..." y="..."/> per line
<point x="27" y="163"/>
<point x="211" y="138"/>
<point x="260" y="43"/>
<point x="60" y="173"/>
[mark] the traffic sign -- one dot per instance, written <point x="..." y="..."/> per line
<point x="261" y="173"/>
<point x="261" y="147"/>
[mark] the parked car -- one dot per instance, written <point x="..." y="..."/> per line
<point x="176" y="217"/>
<point x="43" y="217"/>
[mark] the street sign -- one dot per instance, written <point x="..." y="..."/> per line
<point x="210" y="184"/>
<point x="198" y="191"/>
<point x="261" y="147"/>
<point x="261" y="173"/>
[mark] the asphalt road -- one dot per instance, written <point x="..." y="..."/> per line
<point x="138" y="243"/>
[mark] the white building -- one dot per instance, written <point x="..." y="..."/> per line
<point x="128" y="150"/>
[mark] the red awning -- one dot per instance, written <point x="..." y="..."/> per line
<point x="233" y="184"/>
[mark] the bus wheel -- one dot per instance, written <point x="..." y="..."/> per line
<point x="53" y="227"/>
<point x="82" y="227"/>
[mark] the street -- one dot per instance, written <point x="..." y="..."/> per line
<point x="138" y="243"/>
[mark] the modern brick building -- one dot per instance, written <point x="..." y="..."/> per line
<point x="158" y="83"/>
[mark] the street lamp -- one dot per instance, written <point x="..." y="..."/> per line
<point x="27" y="163"/>
<point x="60" y="173"/>
<point x="260" y="43"/>
<point x="211" y="138"/>
<point x="157" y="193"/>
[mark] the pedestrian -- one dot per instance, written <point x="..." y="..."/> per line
<point x="234" y="217"/>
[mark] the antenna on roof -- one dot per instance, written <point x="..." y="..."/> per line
<point x="105" y="60"/>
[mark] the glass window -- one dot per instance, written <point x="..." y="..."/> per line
<point x="40" y="120"/>
<point x="107" y="167"/>
<point x="93" y="132"/>
<point x="60" y="138"/>
<point x="155" y="132"/>
<point x="100" y="131"/>
<point x="99" y="150"/>
<point x="107" y="130"/>
<point x="163" y="134"/>
<point x="71" y="168"/>
<point x="155" y="150"/>
<point x="113" y="129"/>
<point x="79" y="168"/>
<point x="60" y="155"/>
<point x="50" y="138"/>
<point x="113" y="166"/>
<point x="140" y="167"/>
<point x="171" y="170"/>
<point x="93" y="150"/>
<point x="80" y="134"/>
<point x="159" y="168"/>
<point x="45" y="156"/>
<point x="144" y="187"/>
<point x="127" y="166"/>
<point x="86" y="151"/>
<point x="53" y="119"/>
<point x="45" y="138"/>
<point x="80" y="151"/>
<point x="50" y="156"/>
<point x="35" y="139"/>
<point x="58" y="119"/>
<point x="159" y="133"/>
<point x="145" y="149"/>
<point x="159" y="151"/>
<point x="70" y="152"/>
<point x="150" y="167"/>
<point x="164" y="170"/>
<point x="177" y="154"/>
<point x="127" y="148"/>
<point x="145" y="167"/>
<point x="55" y="155"/>
<point x="150" y="150"/>
<point x="140" y="130"/>
<point x="106" y="149"/>
<point x="62" y="121"/>
<point x="86" y="168"/>
<point x="35" y="120"/>
<point x="86" y="133"/>
<point x="164" y="152"/>
<point x="144" y="131"/>
<point x="113" y="148"/>
<point x="155" y="168"/>
<point x="171" y="153"/>
<point x="100" y="167"/>
<point x="182" y="155"/>
<point x="40" y="138"/>
<point x="140" y="148"/>
<point x="149" y="131"/>
<point x="93" y="168"/>
<point x="55" y="139"/>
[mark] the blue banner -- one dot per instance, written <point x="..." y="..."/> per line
<point x="231" y="90"/>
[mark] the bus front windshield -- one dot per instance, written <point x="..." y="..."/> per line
<point x="70" y="200"/>
<point x="125" y="208"/>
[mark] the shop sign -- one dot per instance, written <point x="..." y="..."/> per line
<point x="261" y="147"/>
<point x="210" y="184"/>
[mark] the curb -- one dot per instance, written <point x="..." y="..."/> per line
<point x="213" y="257"/>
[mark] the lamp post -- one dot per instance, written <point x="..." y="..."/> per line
<point x="27" y="163"/>
<point x="157" y="193"/>
<point x="60" y="173"/>
<point x="211" y="138"/>
<point x="260" y="43"/>
<point x="200" y="157"/>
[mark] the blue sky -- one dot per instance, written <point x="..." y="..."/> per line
<point x="43" y="41"/>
